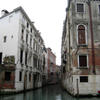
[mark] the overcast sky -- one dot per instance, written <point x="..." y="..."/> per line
<point x="48" y="16"/>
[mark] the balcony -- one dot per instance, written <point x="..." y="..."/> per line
<point x="8" y="62"/>
<point x="7" y="66"/>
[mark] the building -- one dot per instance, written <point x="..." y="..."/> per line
<point x="45" y="67"/>
<point x="21" y="52"/>
<point x="58" y="72"/>
<point x="38" y="60"/>
<point x="80" y="51"/>
<point x="51" y="63"/>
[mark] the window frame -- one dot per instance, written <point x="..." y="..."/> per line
<point x="31" y="30"/>
<point x="86" y="41"/>
<point x="30" y="77"/>
<point x="27" y="25"/>
<point x="98" y="7"/>
<point x="26" y="58"/>
<point x="83" y="7"/>
<point x="21" y="55"/>
<point x="1" y="56"/>
<point x="87" y="61"/>
<point x="27" y="38"/>
<point x="30" y="40"/>
<point x="20" y="76"/>
<point x="22" y="34"/>
<point x="5" y="39"/>
<point x="84" y="81"/>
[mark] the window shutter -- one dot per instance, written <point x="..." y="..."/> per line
<point x="83" y="61"/>
<point x="81" y="35"/>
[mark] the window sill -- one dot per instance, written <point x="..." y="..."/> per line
<point x="83" y="82"/>
<point x="82" y="45"/>
<point x="80" y="12"/>
<point x="82" y="67"/>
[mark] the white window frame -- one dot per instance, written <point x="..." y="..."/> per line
<point x="83" y="7"/>
<point x="85" y="34"/>
<point x="87" y="61"/>
<point x="23" y="33"/>
<point x="98" y="8"/>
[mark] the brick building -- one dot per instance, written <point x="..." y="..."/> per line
<point x="80" y="50"/>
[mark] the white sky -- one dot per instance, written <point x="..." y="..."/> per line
<point x="48" y="16"/>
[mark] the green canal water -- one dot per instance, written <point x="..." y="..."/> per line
<point x="53" y="92"/>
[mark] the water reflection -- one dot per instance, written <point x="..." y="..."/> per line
<point x="53" y="92"/>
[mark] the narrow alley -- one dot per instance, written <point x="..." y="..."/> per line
<point x="51" y="92"/>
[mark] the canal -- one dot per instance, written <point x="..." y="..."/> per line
<point x="53" y="92"/>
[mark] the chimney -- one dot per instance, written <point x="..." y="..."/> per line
<point x="4" y="12"/>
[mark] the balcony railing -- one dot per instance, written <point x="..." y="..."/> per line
<point x="7" y="66"/>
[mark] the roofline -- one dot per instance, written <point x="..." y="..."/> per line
<point x="51" y="51"/>
<point x="24" y="13"/>
<point x="22" y="10"/>
<point x="68" y="5"/>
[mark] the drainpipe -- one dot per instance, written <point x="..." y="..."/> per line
<point x="69" y="43"/>
<point x="92" y="38"/>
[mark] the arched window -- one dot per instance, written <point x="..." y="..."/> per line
<point x="81" y="35"/>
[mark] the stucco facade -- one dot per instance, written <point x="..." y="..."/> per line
<point x="21" y="52"/>
<point x="81" y="48"/>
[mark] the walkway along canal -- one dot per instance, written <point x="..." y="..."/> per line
<point x="51" y="92"/>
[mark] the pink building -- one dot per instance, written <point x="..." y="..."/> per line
<point x="51" y="66"/>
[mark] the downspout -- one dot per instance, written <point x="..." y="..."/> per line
<point x="69" y="44"/>
<point x="69" y="64"/>
<point x="92" y="38"/>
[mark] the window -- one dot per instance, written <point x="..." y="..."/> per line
<point x="0" y="58"/>
<point x="83" y="78"/>
<point x="7" y="76"/>
<point x="30" y="40"/>
<point x="35" y="62"/>
<point x="80" y="7"/>
<point x="26" y="38"/>
<point x="20" y="76"/>
<point x="31" y="30"/>
<point x="21" y="56"/>
<point x="26" y="58"/>
<point x="5" y="39"/>
<point x="22" y="37"/>
<point x="82" y="61"/>
<point x="30" y="77"/>
<point x="27" y="25"/>
<point x="99" y="9"/>
<point x="64" y="69"/>
<point x="81" y="35"/>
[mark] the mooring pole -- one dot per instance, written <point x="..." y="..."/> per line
<point x="77" y="88"/>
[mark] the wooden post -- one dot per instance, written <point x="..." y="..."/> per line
<point x="77" y="87"/>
